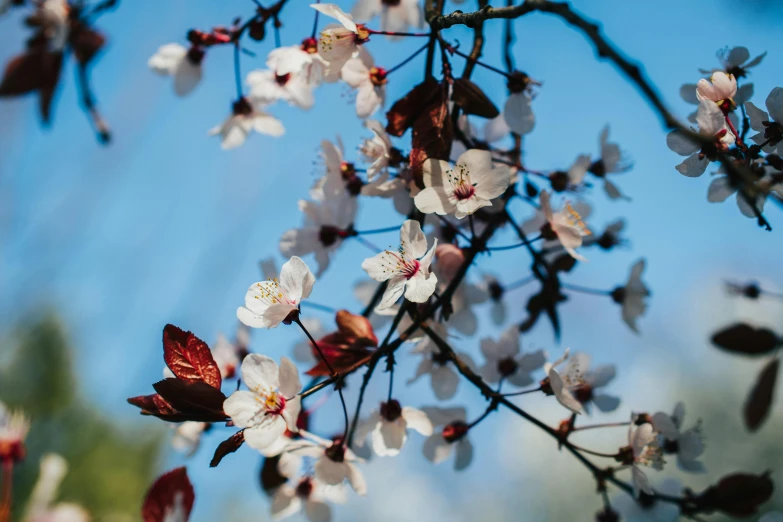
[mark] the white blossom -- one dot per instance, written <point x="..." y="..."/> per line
<point x="396" y="16"/>
<point x="339" y="42"/>
<point x="389" y="425"/>
<point x="769" y="124"/>
<point x="687" y="444"/>
<point x="645" y="451"/>
<point x="469" y="186"/>
<point x="444" y="379"/>
<point x="720" y="87"/>
<point x="566" y="225"/>
<point x="368" y="80"/>
<point x="632" y="296"/>
<point x="181" y="63"/>
<point x="452" y="437"/>
<point x="309" y="495"/>
<point x="269" y="86"/>
<point x="268" y="303"/>
<point x="244" y="119"/>
<point x="41" y="506"/>
<point x="376" y="150"/>
<point x="712" y="125"/>
<point x="576" y="386"/>
<point x="272" y="404"/>
<point x="505" y="360"/>
<point x="334" y="463"/>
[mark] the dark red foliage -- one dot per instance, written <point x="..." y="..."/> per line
<point x="171" y="491"/>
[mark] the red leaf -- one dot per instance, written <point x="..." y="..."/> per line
<point x="357" y="327"/>
<point x="432" y="132"/>
<point x="342" y="358"/>
<point x="85" y="42"/>
<point x="23" y="74"/>
<point x="195" y="398"/>
<point x="472" y="99"/>
<point x="171" y="492"/>
<point x="759" y="401"/>
<point x="230" y="445"/>
<point x="157" y="406"/>
<point x="405" y="110"/>
<point x="745" y="339"/>
<point x="52" y="65"/>
<point x="188" y="357"/>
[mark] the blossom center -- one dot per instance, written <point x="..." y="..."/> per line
<point x="378" y="76"/>
<point x="271" y="401"/>
<point x="271" y="292"/>
<point x="195" y="55"/>
<point x="459" y="178"/>
<point x="391" y="3"/>
<point x="329" y="235"/>
<point x="282" y="79"/>
<point x="310" y="45"/>
<point x="507" y="367"/>
<point x="399" y="263"/>
<point x="391" y="411"/>
<point x="242" y="107"/>
<point x="335" y="452"/>
<point x="454" y="431"/>
<point x="304" y="488"/>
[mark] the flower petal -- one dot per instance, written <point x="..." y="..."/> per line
<point x="260" y="372"/>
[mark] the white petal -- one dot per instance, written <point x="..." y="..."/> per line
<point x="420" y="287"/>
<point x="264" y="435"/>
<point x="260" y="372"/>
<point x="464" y="454"/>
<point x="241" y="406"/>
<point x="388" y="438"/>
<point x="334" y="11"/>
<point x="330" y="472"/>
<point x="412" y="239"/>
<point x="296" y="279"/>
<point x="318" y="511"/>
<point x="693" y="167"/>
<point x="444" y="382"/>
<point x="720" y="189"/>
<point x="519" y="113"/>
<point x="394" y="290"/>
<point x="417" y="420"/>
<point x="290" y="384"/>
<point x="356" y="479"/>
<point x="680" y="143"/>
<point x="436" y="449"/>
<point x="434" y="200"/>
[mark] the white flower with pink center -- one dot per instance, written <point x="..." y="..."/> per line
<point x="268" y="303"/>
<point x="720" y="88"/>
<point x="339" y="42"/>
<point x="462" y="190"/>
<point x="565" y="225"/>
<point x="406" y="269"/>
<point x="271" y="406"/>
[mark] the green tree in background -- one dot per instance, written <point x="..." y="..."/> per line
<point x="110" y="465"/>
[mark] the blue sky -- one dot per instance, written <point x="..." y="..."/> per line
<point x="163" y="226"/>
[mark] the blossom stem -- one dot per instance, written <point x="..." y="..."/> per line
<point x="492" y="407"/>
<point x="237" y="70"/>
<point x="5" y="503"/>
<point x="512" y="247"/>
<point x="316" y="306"/>
<point x="377" y="231"/>
<point x="315" y="21"/>
<point x="591" y="452"/>
<point x="453" y="50"/>
<point x="331" y="372"/>
<point x="519" y="284"/>
<point x="740" y="143"/>
<point x="368" y="244"/>
<point x="523" y="392"/>
<point x="408" y="59"/>
<point x="392" y="33"/>
<point x="603" y="425"/>
<point x="585" y="290"/>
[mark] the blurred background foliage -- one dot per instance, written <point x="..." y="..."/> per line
<point x="111" y="464"/>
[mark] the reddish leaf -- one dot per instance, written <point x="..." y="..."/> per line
<point x="157" y="406"/>
<point x="270" y="477"/>
<point x="745" y="339"/>
<point x="759" y="401"/>
<point x="472" y="99"/>
<point x="52" y="65"/>
<point x="357" y="327"/>
<point x="230" y="445"/>
<point x="189" y="358"/>
<point x="194" y="398"/>
<point x="23" y="74"/>
<point x="738" y="495"/>
<point x="432" y="132"/>
<point x="171" y="492"/>
<point x="342" y="358"/>
<point x="85" y="42"/>
<point x="405" y="110"/>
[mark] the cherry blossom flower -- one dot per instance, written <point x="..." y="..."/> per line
<point x="632" y="296"/>
<point x="268" y="86"/>
<point x="609" y="238"/>
<point x="518" y="111"/>
<point x="309" y="495"/>
<point x="377" y="150"/>
<point x="574" y="177"/>
<point x="389" y="426"/>
<point x="187" y="436"/>
<point x="452" y="437"/>
<point x="302" y="60"/>
<point x="325" y="228"/>
<point x="712" y="124"/>
<point x="647" y="508"/>
<point x="396" y="15"/>
<point x="461" y="191"/>
<point x="227" y="354"/>
<point x="577" y="386"/>
<point x="444" y="379"/>
<point x="14" y="426"/>
<point x="610" y="162"/>
<point x="495" y="292"/>
<point x="407" y="269"/>
<point x="687" y="444"/>
<point x="505" y="360"/>
<point x="339" y="42"/>
<point x="334" y="462"/>
<point x="53" y="17"/>
<point x="181" y="63"/>
<point x="40" y="506"/>
<point x="720" y="89"/>
<point x="768" y="125"/>
<point x="368" y="80"/>
<point x="723" y="186"/>
<point x="244" y="119"/>
<point x="566" y="226"/>
<point x="643" y="450"/>
<point x="272" y="405"/>
<point x="268" y="303"/>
